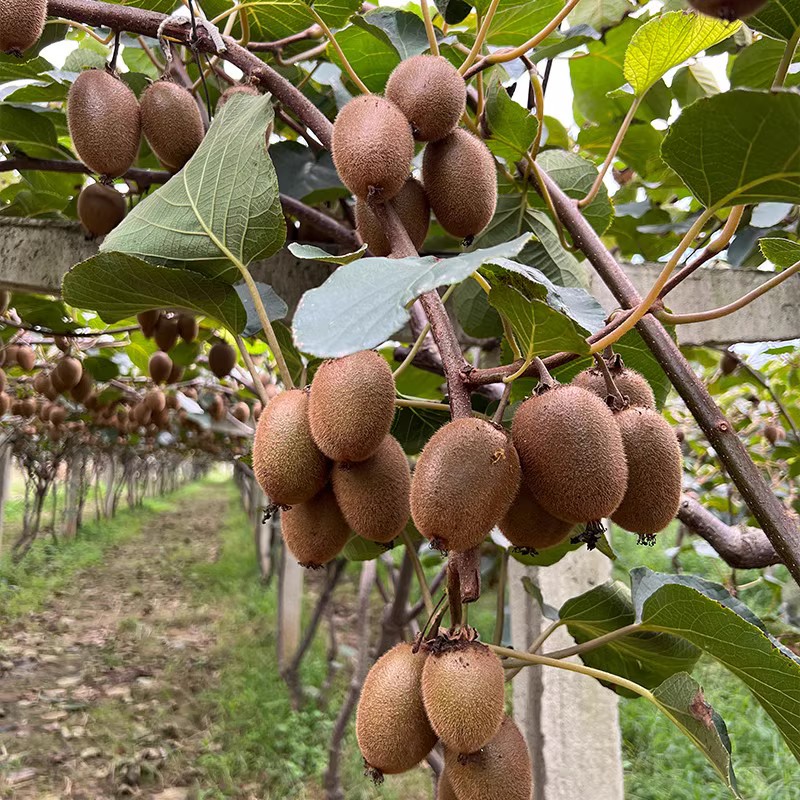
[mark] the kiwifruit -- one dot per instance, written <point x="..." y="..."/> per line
<point x="155" y="400"/>
<point x="393" y="733"/>
<point x="257" y="408"/>
<point x="100" y="208"/>
<point x="83" y="388"/>
<point x="463" y="688"/>
<point x="49" y="390"/>
<point x="147" y="322"/>
<point x="104" y="122"/>
<point x="221" y="359"/>
<point x="728" y="10"/>
<point x="351" y="407"/>
<point x="729" y="363"/>
<point x="372" y="147"/>
<point x="466" y="479"/>
<point x="171" y="123"/>
<point x="411" y="205"/>
<point x="21" y="24"/>
<point x="234" y="90"/>
<point x="431" y="94"/>
<point x="27" y="407"/>
<point x="187" y="327"/>
<point x="528" y="525"/>
<point x="68" y="371"/>
<point x="286" y="460"/>
<point x="40" y="382"/>
<point x="57" y="415"/>
<point x="3" y="381"/>
<point x="44" y="411"/>
<point x="175" y="374"/>
<point x="774" y="433"/>
<point x="500" y="771"/>
<point x="241" y="411"/>
<point x="572" y="454"/>
<point x="629" y="382"/>
<point x="444" y="789"/>
<point x="161" y="418"/>
<point x="315" y="531"/>
<point x="25" y="357"/>
<point x="218" y="408"/>
<point x="373" y="494"/>
<point x="655" y="472"/>
<point x="166" y="333"/>
<point x="159" y="366"/>
<point x="459" y="176"/>
<point x="5" y="403"/>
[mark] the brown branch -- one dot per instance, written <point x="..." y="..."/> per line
<point x="314" y="32"/>
<point x="67" y="334"/>
<point x="325" y="224"/>
<point x="144" y="177"/>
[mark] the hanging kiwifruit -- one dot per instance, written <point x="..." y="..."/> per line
<point x="241" y="411"/>
<point x="444" y="789"/>
<point x="5" y="404"/>
<point x="68" y="372"/>
<point x="529" y="526"/>
<point x="774" y="433"/>
<point x="175" y="374"/>
<point x="104" y="122"/>
<point x="155" y="400"/>
<point x="729" y="363"/>
<point x="393" y="732"/>
<point x="430" y="92"/>
<point x="460" y="179"/>
<point x="171" y="123"/>
<point x="25" y="357"/>
<point x="573" y="458"/>
<point x="3" y="381"/>
<point x="463" y="688"/>
<point x="27" y="407"/>
<point x="21" y="24"/>
<point x="221" y="359"/>
<point x="62" y="343"/>
<point x="411" y="205"/>
<point x="729" y="10"/>
<point x="100" y="208"/>
<point x="372" y="147"/>
<point x="629" y="382"/>
<point x="351" y="407"/>
<point x="83" y="388"/>
<point x="500" y="771"/>
<point x="287" y="463"/>
<point x="147" y="322"/>
<point x="218" y="409"/>
<point x="465" y="481"/>
<point x="57" y="415"/>
<point x="373" y="494"/>
<point x="166" y="332"/>
<point x="315" y="531"/>
<point x="159" y="366"/>
<point x="232" y="91"/>
<point x="655" y="472"/>
<point x="187" y="327"/>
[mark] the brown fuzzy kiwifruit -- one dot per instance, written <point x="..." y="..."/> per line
<point x="629" y="382"/>
<point x="104" y="122"/>
<point x="460" y="178"/>
<point x="49" y="390"/>
<point x="159" y="366"/>
<point x="373" y="494"/>
<point x="62" y="343"/>
<point x="5" y="404"/>
<point x="463" y="688"/>
<point x="351" y="407"/>
<point x="372" y="147"/>
<point x="315" y="531"/>
<point x="27" y="407"/>
<point x="83" y="388"/>
<point x="171" y="123"/>
<point x="431" y="94"/>
<point x="187" y="327"/>
<point x="4" y="381"/>
<point x="466" y="479"/>
<point x="147" y="322"/>
<point x="166" y="332"/>
<point x="68" y="372"/>
<point x="573" y="458"/>
<point x="40" y="382"/>
<point x="218" y="408"/>
<point x="500" y="771"/>
<point x="241" y="411"/>
<point x="729" y="363"/>
<point x="444" y="789"/>
<point x="57" y="415"/>
<point x="232" y="91"/>
<point x="100" y="208"/>
<point x="729" y="10"/>
<point x="21" y="24"/>
<point x="655" y="472"/>
<point x="774" y="433"/>
<point x="529" y="526"/>
<point x="286" y="461"/>
<point x="155" y="400"/>
<point x="25" y="357"/>
<point x="411" y="205"/>
<point x="175" y="374"/>
<point x="393" y="733"/>
<point x="221" y="359"/>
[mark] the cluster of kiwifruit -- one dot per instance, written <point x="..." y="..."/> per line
<point x="373" y="145"/>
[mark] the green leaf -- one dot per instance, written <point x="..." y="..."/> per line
<point x="474" y="313"/>
<point x="640" y="149"/>
<point x="313" y="253"/>
<point x="693" y="82"/>
<point x="222" y="210"/>
<point x="358" y="549"/>
<point x="275" y="19"/>
<point x="42" y="312"/>
<point x="779" y="19"/>
<point x="369" y="51"/>
<point x="667" y="41"/>
<point x="512" y="128"/>
<point x="517" y="20"/>
<point x="404" y="31"/>
<point x="600" y="14"/>
<point x="783" y="253"/>
<point x="84" y="58"/>
<point x="756" y="65"/>
<point x="118" y="286"/>
<point x="453" y="11"/>
<point x="532" y="589"/>
<point x="738" y="147"/>
<point x="275" y="307"/>
<point x="292" y="356"/>
<point x="14" y="69"/>
<point x="32" y="132"/>
<point x="301" y="174"/>
<point x="412" y="427"/>
<point x="101" y="368"/>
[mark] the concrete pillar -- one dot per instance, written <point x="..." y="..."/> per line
<point x="262" y="530"/>
<point x="72" y="496"/>
<point x="290" y="606"/>
<point x="6" y="465"/>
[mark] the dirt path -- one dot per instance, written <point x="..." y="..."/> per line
<point x="98" y="692"/>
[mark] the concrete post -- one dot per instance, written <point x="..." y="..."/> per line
<point x="262" y="530"/>
<point x="290" y="606"/>
<point x="72" y="496"/>
<point x="6" y="465"/>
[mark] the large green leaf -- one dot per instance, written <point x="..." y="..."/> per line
<point x="275" y="19"/>
<point x="517" y="20"/>
<point x="304" y="175"/>
<point x="755" y="67"/>
<point x="32" y="132"/>
<point x="600" y="14"/>
<point x="512" y="128"/>
<point x="370" y="53"/>
<point x="692" y="82"/>
<point x="14" y="69"/>
<point x="403" y="30"/>
<point x="783" y="253"/>
<point x="778" y="19"/>
<point x="221" y="210"/>
<point x="640" y="149"/>
<point x="738" y="147"/>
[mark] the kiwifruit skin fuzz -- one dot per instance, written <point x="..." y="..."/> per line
<point x="430" y="93"/>
<point x="729" y="10"/>
<point x="232" y="91"/>
<point x="69" y="371"/>
<point x="287" y="463"/>
<point x="629" y="382"/>
<point x="315" y="531"/>
<point x="221" y="359"/>
<point x="159" y="366"/>
<point x="466" y="479"/>
<point x="372" y="147"/>
<point x="100" y="208"/>
<point x="21" y="24"/>
<point x="373" y="494"/>
<point x="444" y="789"/>
<point x="463" y="689"/>
<point x="572" y="454"/>
<point x="411" y="205"/>
<point x="527" y="524"/>
<point x="351" y="407"/>
<point x="655" y="472"/>
<point x="393" y="733"/>
<point x="104" y="122"/>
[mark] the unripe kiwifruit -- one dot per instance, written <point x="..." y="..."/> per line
<point x="431" y="94"/>
<point x="573" y="458"/>
<point x="529" y="526"/>
<point x="187" y="327"/>
<point x="393" y="732"/>
<point x="68" y="372"/>
<point x="25" y="357"/>
<point x="241" y="411"/>
<point x="286" y="461"/>
<point x="629" y="382"/>
<point x="373" y="494"/>
<point x="221" y="359"/>
<point x="166" y="333"/>
<point x="729" y="363"/>
<point x="774" y="433"/>
<point x="460" y="179"/>
<point x="155" y="400"/>
<point x="411" y="205"/>
<point x="100" y="208"/>
<point x="351" y="407"/>
<point x="159" y="366"/>
<point x="83" y="388"/>
<point x="315" y="531"/>
<point x="655" y="473"/>
<point x="500" y="771"/>
<point x="463" y="688"/>
<point x="466" y="479"/>
<point x="372" y="147"/>
<point x="234" y="90"/>
<point x="104" y="122"/>
<point x="728" y="10"/>
<point x="5" y="403"/>
<point x="171" y="123"/>
<point x="444" y="789"/>
<point x="147" y="322"/>
<point x="21" y="24"/>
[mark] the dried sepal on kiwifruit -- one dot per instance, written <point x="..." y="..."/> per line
<point x="221" y="359"/>
<point x="100" y="208"/>
<point x="466" y="479"/>
<point x="631" y="384"/>
<point x="21" y="24"/>
<point x="393" y="732"/>
<point x="529" y="527"/>
<point x="351" y="406"/>
<point x="729" y="10"/>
